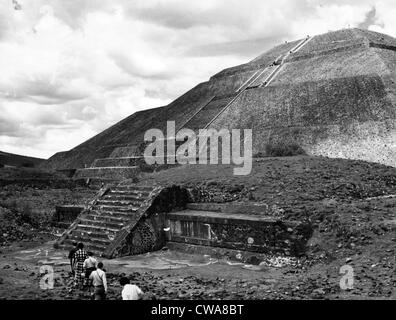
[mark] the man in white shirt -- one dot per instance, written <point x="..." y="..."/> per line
<point x="130" y="291"/>
<point x="89" y="266"/>
<point x="99" y="282"/>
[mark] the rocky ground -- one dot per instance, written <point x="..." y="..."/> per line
<point x="27" y="203"/>
<point x="351" y="204"/>
<point x="172" y="275"/>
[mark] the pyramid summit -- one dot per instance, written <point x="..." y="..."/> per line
<point x="332" y="94"/>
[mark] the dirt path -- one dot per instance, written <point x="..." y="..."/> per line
<point x="175" y="275"/>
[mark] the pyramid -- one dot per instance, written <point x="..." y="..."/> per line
<point x="333" y="94"/>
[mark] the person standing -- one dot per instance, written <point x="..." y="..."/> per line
<point x="130" y="291"/>
<point x="71" y="257"/>
<point x="89" y="265"/>
<point x="99" y="282"/>
<point x="79" y="257"/>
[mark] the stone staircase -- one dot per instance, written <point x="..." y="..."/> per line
<point x="281" y="60"/>
<point x="262" y="78"/>
<point x="123" y="163"/>
<point x="128" y="219"/>
<point x="209" y="111"/>
<point x="113" y="209"/>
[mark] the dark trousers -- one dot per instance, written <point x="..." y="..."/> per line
<point x="99" y="293"/>
<point x="71" y="266"/>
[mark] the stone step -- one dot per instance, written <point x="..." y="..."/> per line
<point x="136" y="194"/>
<point x="133" y="188"/>
<point x="124" y="196"/>
<point x="119" y="203"/>
<point x="224" y="218"/>
<point x="118" y="162"/>
<point x="108" y="220"/>
<point x="258" y="209"/>
<point x="112" y="216"/>
<point x="125" y="216"/>
<point x="115" y="173"/>
<point x="115" y="208"/>
<point x="91" y="228"/>
<point x="93" y="234"/>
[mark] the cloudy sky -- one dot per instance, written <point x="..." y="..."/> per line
<point x="71" y="68"/>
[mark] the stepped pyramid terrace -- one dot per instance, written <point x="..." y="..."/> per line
<point x="333" y="95"/>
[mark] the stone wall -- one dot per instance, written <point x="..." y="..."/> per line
<point x="65" y="215"/>
<point x="246" y="233"/>
<point x="113" y="173"/>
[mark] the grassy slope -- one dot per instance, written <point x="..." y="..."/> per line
<point x="16" y="160"/>
<point x="28" y="197"/>
<point x="286" y="181"/>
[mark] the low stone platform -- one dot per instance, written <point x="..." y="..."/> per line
<point x="238" y="231"/>
<point x="235" y="208"/>
<point x="129" y="219"/>
<point x="113" y="173"/>
<point x="118" y="162"/>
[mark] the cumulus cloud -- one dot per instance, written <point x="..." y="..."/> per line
<point x="70" y="69"/>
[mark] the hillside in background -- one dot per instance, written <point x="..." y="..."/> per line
<point x="15" y="160"/>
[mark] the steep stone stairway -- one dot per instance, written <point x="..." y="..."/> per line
<point x="281" y="60"/>
<point x="98" y="226"/>
<point x="263" y="77"/>
<point x="208" y="112"/>
<point x="206" y="115"/>
<point x="123" y="163"/>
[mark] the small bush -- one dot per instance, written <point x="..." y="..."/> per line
<point x="283" y="149"/>
<point x="10" y="204"/>
<point x="28" y="165"/>
<point x="26" y="213"/>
